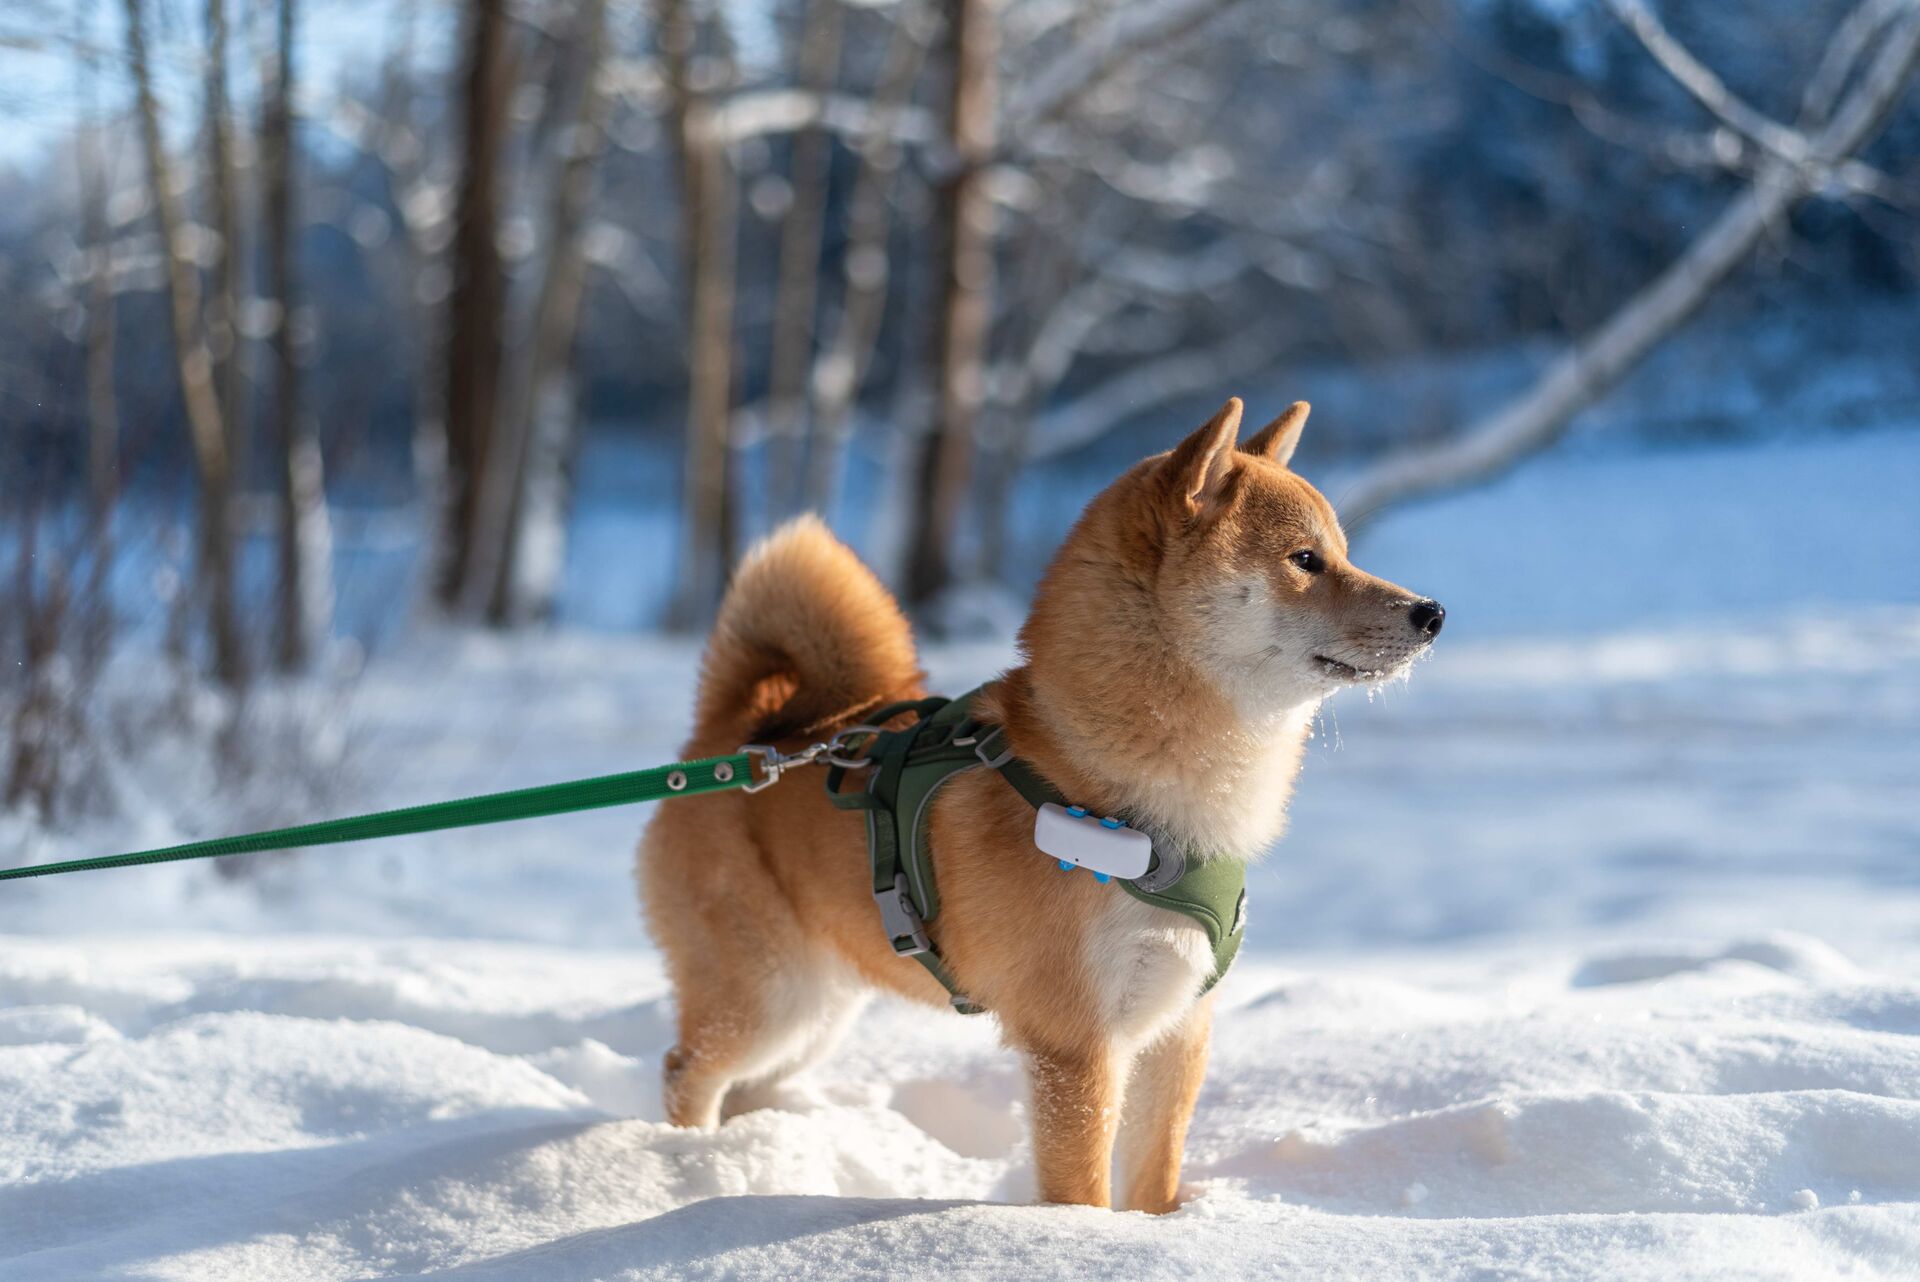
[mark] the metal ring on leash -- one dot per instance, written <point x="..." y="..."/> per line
<point x="834" y="751"/>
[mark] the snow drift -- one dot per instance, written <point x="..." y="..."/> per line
<point x="205" y="1108"/>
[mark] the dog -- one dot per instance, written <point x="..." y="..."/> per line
<point x="1178" y="648"/>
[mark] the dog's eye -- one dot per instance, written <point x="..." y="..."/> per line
<point x="1308" y="560"/>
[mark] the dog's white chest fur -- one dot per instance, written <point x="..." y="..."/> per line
<point x="1147" y="964"/>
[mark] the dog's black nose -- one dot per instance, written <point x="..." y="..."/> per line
<point x="1427" y="617"/>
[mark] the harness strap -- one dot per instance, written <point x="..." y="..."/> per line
<point x="902" y="890"/>
<point x="910" y="766"/>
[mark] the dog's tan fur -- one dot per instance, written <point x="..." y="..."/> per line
<point x="1173" y="662"/>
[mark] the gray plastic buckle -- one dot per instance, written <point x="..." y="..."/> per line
<point x="1001" y="758"/>
<point x="901" y="920"/>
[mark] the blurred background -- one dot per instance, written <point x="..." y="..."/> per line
<point x="386" y="389"/>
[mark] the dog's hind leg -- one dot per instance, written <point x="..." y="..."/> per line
<point x="744" y="1031"/>
<point x="1159" y="1103"/>
<point x="719" y="1031"/>
<point x="808" y="1010"/>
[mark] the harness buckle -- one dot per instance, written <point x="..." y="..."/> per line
<point x="982" y="747"/>
<point x="901" y="920"/>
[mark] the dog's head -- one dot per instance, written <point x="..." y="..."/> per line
<point x="1219" y="552"/>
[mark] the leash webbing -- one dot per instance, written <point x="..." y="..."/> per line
<point x="681" y="779"/>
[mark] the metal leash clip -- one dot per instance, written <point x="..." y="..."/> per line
<point x="836" y="751"/>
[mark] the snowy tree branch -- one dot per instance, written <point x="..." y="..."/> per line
<point x="761" y="112"/>
<point x="1146" y="386"/>
<point x="1706" y="87"/>
<point x="1783" y="143"/>
<point x="1540" y="416"/>
<point x="1129" y="29"/>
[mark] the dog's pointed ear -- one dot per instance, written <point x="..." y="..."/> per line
<point x="1278" y="439"/>
<point x="1198" y="467"/>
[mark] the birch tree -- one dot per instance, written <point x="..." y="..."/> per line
<point x="103" y="408"/>
<point x="304" y="588"/>
<point x="840" y="366"/>
<point x="214" y="575"/>
<point x="223" y="217"/>
<point x="708" y="209"/>
<point x="795" y="298"/>
<point x="523" y="524"/>
<point x="979" y="136"/>
<point x="963" y="239"/>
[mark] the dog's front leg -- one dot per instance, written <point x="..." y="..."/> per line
<point x="1075" y="1113"/>
<point x="1159" y="1103"/>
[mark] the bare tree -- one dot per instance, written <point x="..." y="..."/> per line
<point x="223" y="216"/>
<point x="215" y="562"/>
<point x="708" y="203"/>
<point x="103" y="410"/>
<point x="524" y="527"/>
<point x="799" y="270"/>
<point x="419" y="178"/>
<point x="840" y="366"/>
<point x="476" y="301"/>
<point x="1537" y="418"/>
<point x="304" y="591"/>
<point x="57" y="621"/>
<point x="965" y="248"/>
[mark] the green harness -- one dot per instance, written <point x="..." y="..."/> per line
<point x="907" y="769"/>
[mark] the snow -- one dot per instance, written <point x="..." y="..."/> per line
<point x="1590" y="954"/>
<point x="200" y="1106"/>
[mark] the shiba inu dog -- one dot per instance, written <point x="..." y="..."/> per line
<point x="1178" y="647"/>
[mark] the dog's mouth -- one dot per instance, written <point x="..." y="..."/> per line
<point x="1343" y="671"/>
<point x="1352" y="675"/>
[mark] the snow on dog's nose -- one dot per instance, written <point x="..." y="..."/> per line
<point x="1428" y="617"/>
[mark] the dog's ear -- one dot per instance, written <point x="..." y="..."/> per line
<point x="1197" y="470"/>
<point x="1278" y="439"/>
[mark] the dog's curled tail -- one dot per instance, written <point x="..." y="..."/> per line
<point x="807" y="637"/>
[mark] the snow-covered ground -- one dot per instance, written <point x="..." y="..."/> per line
<point x="1591" y="954"/>
<point x="337" y="1108"/>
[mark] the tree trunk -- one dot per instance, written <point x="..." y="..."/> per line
<point x="94" y="611"/>
<point x="304" y="593"/>
<point x="532" y="469"/>
<point x="965" y="238"/>
<point x="222" y="304"/>
<point x="103" y="411"/>
<point x="841" y="366"/>
<point x="477" y="298"/>
<point x="399" y="146"/>
<point x="707" y="212"/>
<point x="215" y="556"/>
<point x="1540" y="415"/>
<point x="796" y="300"/>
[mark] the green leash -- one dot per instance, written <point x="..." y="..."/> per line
<point x="681" y="779"/>
<point x="909" y="766"/>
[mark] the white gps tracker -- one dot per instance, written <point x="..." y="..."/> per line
<point x="1106" y="847"/>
